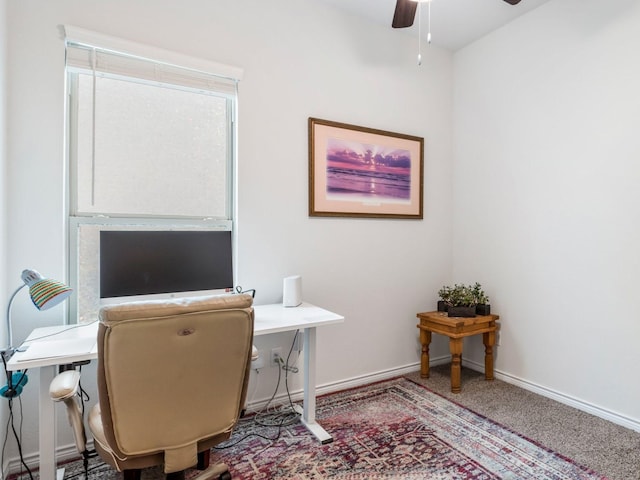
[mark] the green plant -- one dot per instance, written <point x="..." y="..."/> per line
<point x="445" y="294"/>
<point x="462" y="296"/>
<point x="459" y="295"/>
<point x="480" y="297"/>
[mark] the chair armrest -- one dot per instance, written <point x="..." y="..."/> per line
<point x="64" y="385"/>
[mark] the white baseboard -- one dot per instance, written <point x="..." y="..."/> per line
<point x="559" y="397"/>
<point x="63" y="454"/>
<point x="349" y="383"/>
<point x="505" y="377"/>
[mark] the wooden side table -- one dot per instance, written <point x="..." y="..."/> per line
<point x="456" y="328"/>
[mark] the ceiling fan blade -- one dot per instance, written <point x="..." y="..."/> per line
<point x="405" y="13"/>
<point x="512" y="2"/>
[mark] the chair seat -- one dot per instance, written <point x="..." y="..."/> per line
<point x="101" y="445"/>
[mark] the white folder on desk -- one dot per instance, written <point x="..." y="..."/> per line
<point x="56" y="348"/>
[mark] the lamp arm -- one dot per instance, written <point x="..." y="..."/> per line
<point x="9" y="331"/>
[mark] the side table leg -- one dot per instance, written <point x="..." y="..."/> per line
<point x="425" y="340"/>
<point x="489" y="340"/>
<point x="455" y="346"/>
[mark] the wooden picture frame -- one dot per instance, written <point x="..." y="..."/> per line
<point x="363" y="172"/>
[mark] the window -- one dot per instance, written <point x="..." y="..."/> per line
<point x="145" y="150"/>
<point x="151" y="138"/>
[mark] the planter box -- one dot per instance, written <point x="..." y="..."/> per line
<point x="483" y="309"/>
<point x="462" y="311"/>
<point x="442" y="306"/>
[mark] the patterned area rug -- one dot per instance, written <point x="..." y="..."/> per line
<point x="394" y="429"/>
<point x="398" y="430"/>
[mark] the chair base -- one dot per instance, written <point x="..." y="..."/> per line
<point x="217" y="471"/>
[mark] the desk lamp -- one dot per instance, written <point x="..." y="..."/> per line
<point x="44" y="292"/>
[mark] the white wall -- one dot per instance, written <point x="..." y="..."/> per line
<point x="544" y="179"/>
<point x="3" y="155"/>
<point x="546" y="198"/>
<point x="3" y="190"/>
<point x="300" y="59"/>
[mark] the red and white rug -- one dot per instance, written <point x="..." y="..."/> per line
<point x="396" y="430"/>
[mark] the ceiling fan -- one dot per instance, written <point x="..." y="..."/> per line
<point x="405" y="12"/>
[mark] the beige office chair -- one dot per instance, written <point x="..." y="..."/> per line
<point x="172" y="382"/>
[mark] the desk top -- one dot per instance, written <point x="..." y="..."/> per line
<point x="276" y="318"/>
<point x="64" y="344"/>
<point x="55" y="345"/>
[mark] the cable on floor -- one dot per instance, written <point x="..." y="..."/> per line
<point x="278" y="416"/>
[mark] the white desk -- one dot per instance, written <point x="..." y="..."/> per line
<point x="268" y="319"/>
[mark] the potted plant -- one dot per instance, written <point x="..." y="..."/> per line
<point x="461" y="301"/>
<point x="481" y="300"/>
<point x="445" y="297"/>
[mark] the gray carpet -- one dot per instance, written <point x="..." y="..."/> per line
<point x="603" y="446"/>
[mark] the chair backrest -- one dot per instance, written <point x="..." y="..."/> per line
<point x="173" y="373"/>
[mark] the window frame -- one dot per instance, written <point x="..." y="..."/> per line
<point x="76" y="219"/>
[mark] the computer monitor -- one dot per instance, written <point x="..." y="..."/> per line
<point x="160" y="264"/>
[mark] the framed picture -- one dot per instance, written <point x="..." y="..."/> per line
<point x="362" y="172"/>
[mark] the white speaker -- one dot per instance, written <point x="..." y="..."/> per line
<point x="292" y="291"/>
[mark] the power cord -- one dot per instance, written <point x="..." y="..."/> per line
<point x="255" y="419"/>
<point x="82" y="393"/>
<point x="279" y="416"/>
<point x="18" y="436"/>
<point x="13" y="389"/>
<point x="288" y="368"/>
<point x="98" y="465"/>
<point x="86" y="454"/>
<point x="288" y="413"/>
<point x="238" y="289"/>
<point x="71" y="327"/>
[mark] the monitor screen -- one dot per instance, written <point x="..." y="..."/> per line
<point x="134" y="263"/>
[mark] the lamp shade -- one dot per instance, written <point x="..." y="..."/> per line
<point x="45" y="292"/>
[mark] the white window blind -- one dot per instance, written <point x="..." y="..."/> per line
<point x="92" y="51"/>
<point x="151" y="132"/>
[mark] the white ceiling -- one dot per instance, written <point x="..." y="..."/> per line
<point x="454" y="23"/>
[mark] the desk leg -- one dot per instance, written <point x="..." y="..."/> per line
<point x="489" y="340"/>
<point x="425" y="340"/>
<point x="47" y="421"/>
<point x="455" y="346"/>
<point x="309" y="386"/>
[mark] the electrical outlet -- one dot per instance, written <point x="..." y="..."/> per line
<point x="276" y="355"/>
